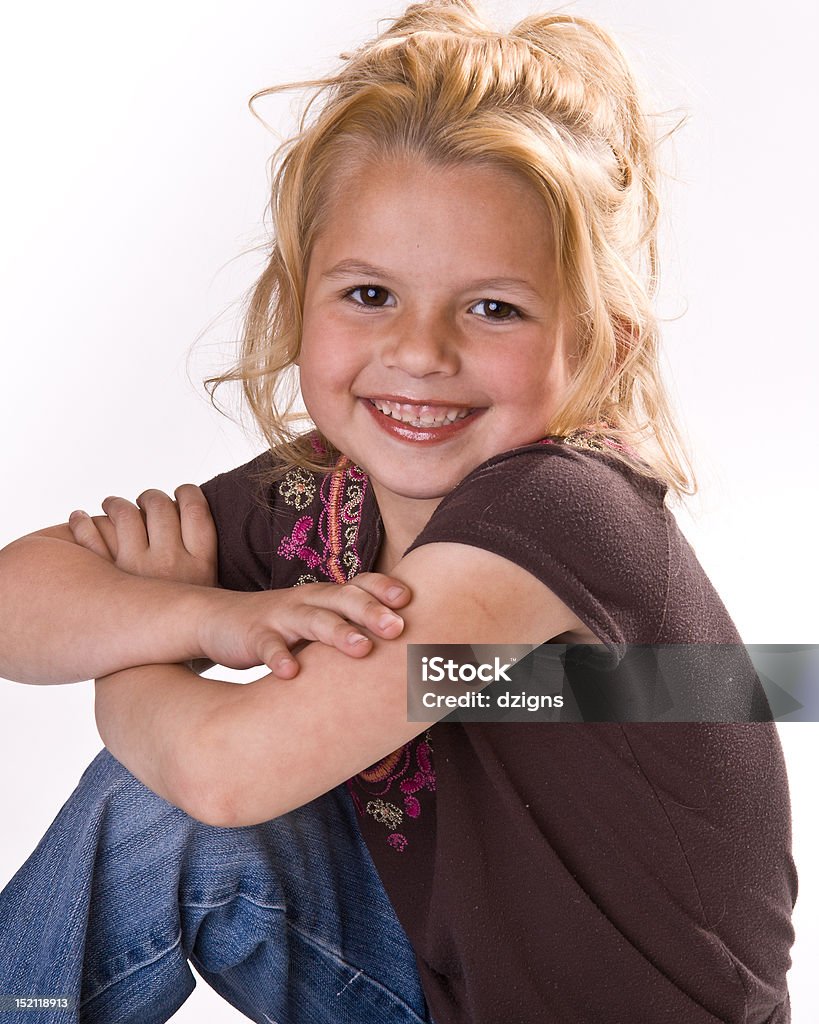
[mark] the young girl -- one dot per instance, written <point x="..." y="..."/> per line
<point x="464" y="261"/>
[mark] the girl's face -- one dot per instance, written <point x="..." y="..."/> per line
<point x="433" y="336"/>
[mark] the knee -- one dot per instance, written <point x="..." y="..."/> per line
<point x="105" y="771"/>
<point x="117" y="808"/>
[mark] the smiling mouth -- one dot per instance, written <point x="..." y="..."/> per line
<point x="420" y="415"/>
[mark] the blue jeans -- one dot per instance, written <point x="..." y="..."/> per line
<point x="287" y="920"/>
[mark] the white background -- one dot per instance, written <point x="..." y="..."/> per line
<point x="132" y="187"/>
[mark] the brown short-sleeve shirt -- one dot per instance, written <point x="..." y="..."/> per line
<point x="563" y="872"/>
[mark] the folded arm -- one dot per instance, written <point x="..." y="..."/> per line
<point x="137" y="586"/>
<point x="67" y="614"/>
<point x="241" y="754"/>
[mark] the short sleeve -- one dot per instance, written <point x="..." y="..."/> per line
<point x="242" y="510"/>
<point x="590" y="528"/>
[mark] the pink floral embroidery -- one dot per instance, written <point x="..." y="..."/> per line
<point x="295" y="546"/>
<point x="380" y="779"/>
<point x="341" y="493"/>
<point x="424" y="778"/>
<point x="424" y="754"/>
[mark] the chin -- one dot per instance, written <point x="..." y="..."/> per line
<point x="415" y="489"/>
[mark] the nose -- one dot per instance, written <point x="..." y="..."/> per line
<point x="422" y="345"/>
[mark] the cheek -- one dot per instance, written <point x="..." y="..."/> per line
<point x="319" y="403"/>
<point x="323" y="369"/>
<point x="326" y="373"/>
<point x="532" y="388"/>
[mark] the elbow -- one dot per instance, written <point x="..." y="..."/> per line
<point x="189" y="785"/>
<point x="212" y="805"/>
<point x="193" y="781"/>
<point x="220" y="806"/>
<point x="209" y="785"/>
<point x="218" y="799"/>
<point x="185" y="773"/>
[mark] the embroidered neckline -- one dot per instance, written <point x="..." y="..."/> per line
<point x="341" y="492"/>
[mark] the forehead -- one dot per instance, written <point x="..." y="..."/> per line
<point x="487" y="218"/>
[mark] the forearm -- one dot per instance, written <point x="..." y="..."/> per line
<point x="152" y="720"/>
<point x="234" y="755"/>
<point x="67" y="615"/>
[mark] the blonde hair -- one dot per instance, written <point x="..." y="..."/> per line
<point x="553" y="99"/>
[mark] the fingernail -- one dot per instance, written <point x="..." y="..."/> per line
<point x="395" y="592"/>
<point x="77" y="514"/>
<point x="356" y="638"/>
<point x="388" y="620"/>
<point x="285" y="663"/>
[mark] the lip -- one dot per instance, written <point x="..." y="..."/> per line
<point x="420" y="435"/>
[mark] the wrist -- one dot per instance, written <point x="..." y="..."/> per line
<point x="209" y="609"/>
<point x="158" y="621"/>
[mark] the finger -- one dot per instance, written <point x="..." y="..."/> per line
<point x="132" y="538"/>
<point x="161" y="522"/>
<point x="387" y="589"/>
<point x="85" y="533"/>
<point x="332" y="630"/>
<point x="198" y="528"/>
<point x="275" y="654"/>
<point x="108" y="532"/>
<point x="360" y="607"/>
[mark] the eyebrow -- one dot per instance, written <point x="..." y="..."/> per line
<point x="507" y="282"/>
<point x="355" y="267"/>
<point x="347" y="267"/>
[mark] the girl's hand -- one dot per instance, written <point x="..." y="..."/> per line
<point x="242" y="630"/>
<point x="176" y="540"/>
<point x="157" y="537"/>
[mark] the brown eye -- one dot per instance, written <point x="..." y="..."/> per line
<point x="369" y="295"/>
<point x="494" y="309"/>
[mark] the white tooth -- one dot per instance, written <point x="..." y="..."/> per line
<point x="408" y="413"/>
